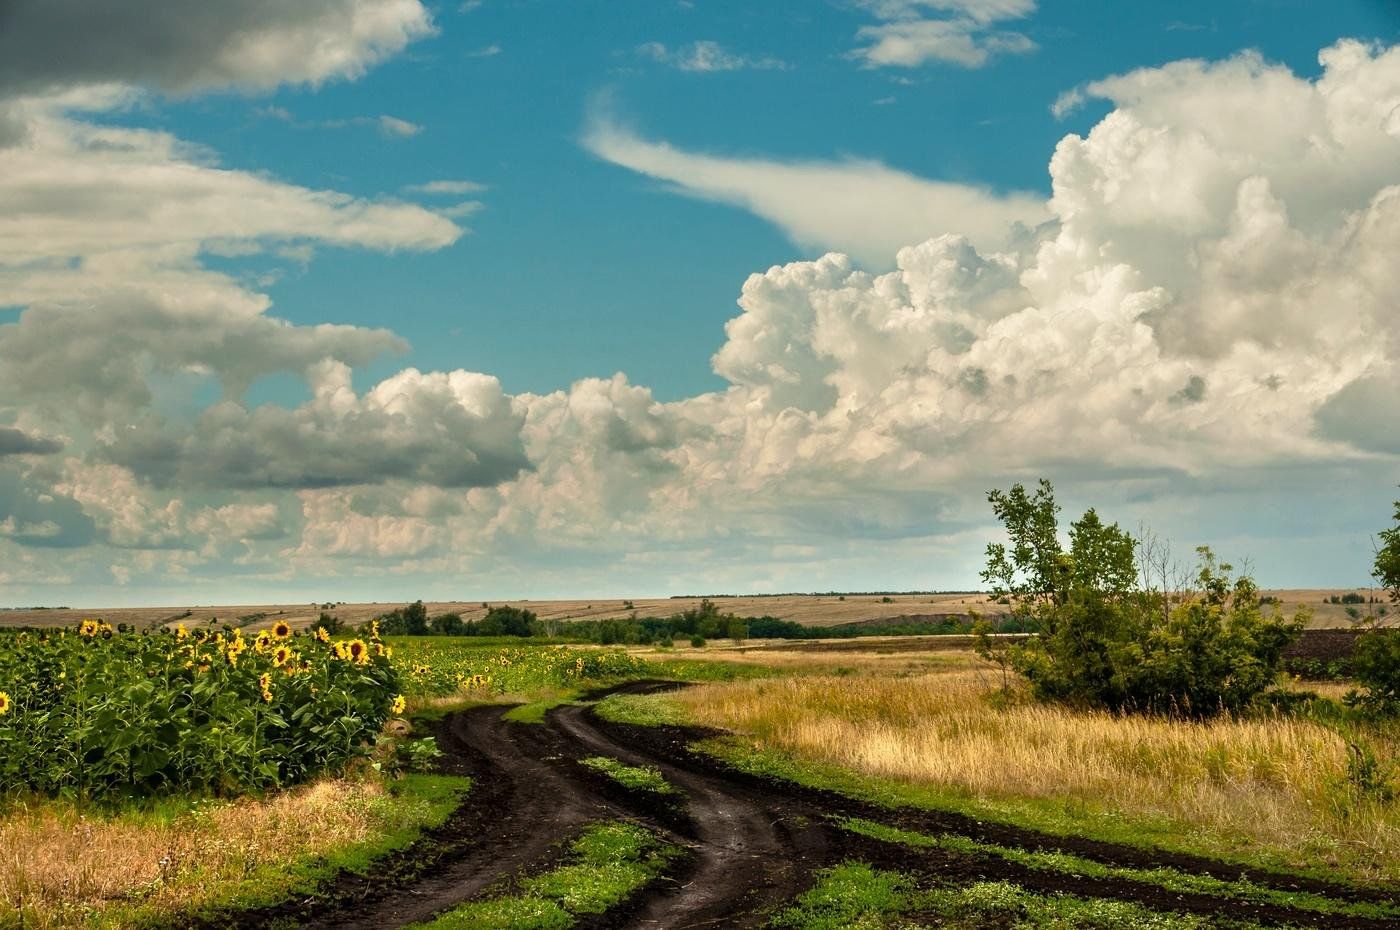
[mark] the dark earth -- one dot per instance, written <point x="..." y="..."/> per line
<point x="752" y="843"/>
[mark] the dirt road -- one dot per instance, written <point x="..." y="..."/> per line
<point x="751" y="843"/>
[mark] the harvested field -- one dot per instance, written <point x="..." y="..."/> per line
<point x="810" y="610"/>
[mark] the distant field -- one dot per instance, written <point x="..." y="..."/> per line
<point x="810" y="610"/>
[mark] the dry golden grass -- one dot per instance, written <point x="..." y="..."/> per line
<point x="68" y="869"/>
<point x="1278" y="783"/>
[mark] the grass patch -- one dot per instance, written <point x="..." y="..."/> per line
<point x="637" y="778"/>
<point x="1166" y="878"/>
<point x="851" y="895"/>
<point x="855" y="896"/>
<point x="609" y="863"/>
<point x="534" y="711"/>
<point x="158" y="866"/>
<point x="648" y="710"/>
<point x="1003" y="904"/>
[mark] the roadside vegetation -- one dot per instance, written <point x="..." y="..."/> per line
<point x="857" y="895"/>
<point x="608" y="864"/>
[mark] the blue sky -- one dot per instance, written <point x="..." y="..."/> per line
<point x="606" y="271"/>
<point x="549" y="194"/>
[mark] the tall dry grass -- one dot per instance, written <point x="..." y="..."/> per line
<point x="1279" y="783"/>
<point x="66" y="869"/>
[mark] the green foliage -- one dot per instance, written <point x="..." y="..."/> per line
<point x="1104" y="641"/>
<point x="851" y="895"/>
<point x="417" y="755"/>
<point x="106" y="715"/>
<point x="636" y="777"/>
<point x="433" y="667"/>
<point x="1387" y="564"/>
<point x="1376" y="667"/>
<point x="610" y="863"/>
<point x="331" y="624"/>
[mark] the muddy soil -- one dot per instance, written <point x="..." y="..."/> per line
<point x="751" y="843"/>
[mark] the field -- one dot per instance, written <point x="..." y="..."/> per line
<point x="809" y="610"/>
<point x="878" y="784"/>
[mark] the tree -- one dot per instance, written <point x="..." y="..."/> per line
<point x="1387" y="565"/>
<point x="447" y="625"/>
<point x="1376" y="662"/>
<point x="1105" y="638"/>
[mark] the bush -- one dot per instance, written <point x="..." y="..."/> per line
<point x="1376" y="667"/>
<point x="1106" y="641"/>
<point x="697" y="641"/>
<point x="101" y="714"/>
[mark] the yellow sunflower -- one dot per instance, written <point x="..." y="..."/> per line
<point x="358" y="651"/>
<point x="322" y="635"/>
<point x="398" y="705"/>
<point x="281" y="629"/>
<point x="282" y="655"/>
<point x="5" y="703"/>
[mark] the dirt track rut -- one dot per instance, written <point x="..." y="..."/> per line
<point x="751" y="843"/>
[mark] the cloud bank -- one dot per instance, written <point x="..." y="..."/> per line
<point x="1210" y="294"/>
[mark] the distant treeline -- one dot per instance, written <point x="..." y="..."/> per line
<point x="711" y="597"/>
<point x="696" y="625"/>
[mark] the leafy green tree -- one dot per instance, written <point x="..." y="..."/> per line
<point x="447" y="625"/>
<point x="1387" y="565"/>
<point x="1105" y="641"/>
<point x="1376" y="662"/>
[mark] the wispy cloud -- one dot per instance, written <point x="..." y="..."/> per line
<point x="388" y="126"/>
<point x="864" y="208"/>
<point x="446" y="187"/>
<point x="486" y="51"/>
<point x="706" y="55"/>
<point x="959" y="32"/>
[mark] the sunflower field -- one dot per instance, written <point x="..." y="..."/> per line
<point x="93" y="713"/>
<point x="436" y="666"/>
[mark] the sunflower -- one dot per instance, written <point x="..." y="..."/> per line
<point x="264" y="680"/>
<point x="358" y="651"/>
<point x="5" y="703"/>
<point x="322" y="635"/>
<point x="398" y="705"/>
<point x="181" y="632"/>
<point x="282" y="655"/>
<point x="281" y="629"/>
<point x="91" y="628"/>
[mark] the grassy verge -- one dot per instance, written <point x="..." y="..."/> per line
<point x="1289" y="792"/>
<point x="854" y="896"/>
<point x="1165" y="878"/>
<point x="637" y="778"/>
<point x="609" y="863"/>
<point x="159" y="865"/>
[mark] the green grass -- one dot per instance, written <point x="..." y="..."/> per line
<point x="1166" y="878"/>
<point x="648" y="710"/>
<point x="534" y="711"/>
<point x="638" y="778"/>
<point x="852" y="895"/>
<point x="855" y="896"/>
<point x="609" y="863"/>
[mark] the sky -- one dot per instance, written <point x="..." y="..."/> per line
<point x="386" y="299"/>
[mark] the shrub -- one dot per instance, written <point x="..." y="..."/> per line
<point x="697" y="641"/>
<point x="1376" y="667"/>
<point x="102" y="714"/>
<point x="1104" y="640"/>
